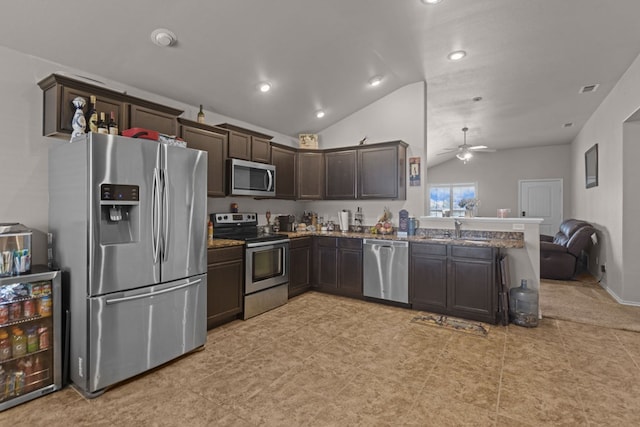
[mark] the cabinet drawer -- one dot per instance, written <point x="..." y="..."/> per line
<point x="328" y="242"/>
<point x="428" y="249"/>
<point x="299" y="242"/>
<point x="349" y="243"/>
<point x="471" y="252"/>
<point x="224" y="254"/>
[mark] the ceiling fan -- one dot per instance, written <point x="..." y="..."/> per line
<point x="465" y="151"/>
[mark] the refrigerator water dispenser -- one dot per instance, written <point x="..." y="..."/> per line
<point x="119" y="216"/>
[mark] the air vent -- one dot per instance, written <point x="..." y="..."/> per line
<point x="589" y="88"/>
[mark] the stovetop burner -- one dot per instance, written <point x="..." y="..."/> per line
<point x="240" y="226"/>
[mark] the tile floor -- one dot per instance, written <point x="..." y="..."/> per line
<point x="323" y="360"/>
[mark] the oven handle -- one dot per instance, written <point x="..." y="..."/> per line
<point x="267" y="243"/>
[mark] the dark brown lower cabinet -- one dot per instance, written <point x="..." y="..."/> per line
<point x="225" y="279"/>
<point x="350" y="267"/>
<point x="338" y="265"/>
<point x="300" y="265"/>
<point x="455" y="280"/>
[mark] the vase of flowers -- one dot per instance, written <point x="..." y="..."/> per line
<point x="470" y="206"/>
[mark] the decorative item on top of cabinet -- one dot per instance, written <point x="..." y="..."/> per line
<point x="59" y="91"/>
<point x="213" y="140"/>
<point x="247" y="144"/>
<point x="284" y="159"/>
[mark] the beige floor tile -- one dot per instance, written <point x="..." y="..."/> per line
<point x="323" y="360"/>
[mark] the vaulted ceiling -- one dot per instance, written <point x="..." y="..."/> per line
<point x="526" y="59"/>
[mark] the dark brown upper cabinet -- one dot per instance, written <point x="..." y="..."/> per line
<point x="382" y="171"/>
<point x="341" y="174"/>
<point x="247" y="144"/>
<point x="59" y="92"/>
<point x="310" y="175"/>
<point x="284" y="159"/>
<point x="213" y="140"/>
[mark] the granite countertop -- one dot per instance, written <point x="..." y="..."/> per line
<point x="223" y="243"/>
<point x="508" y="241"/>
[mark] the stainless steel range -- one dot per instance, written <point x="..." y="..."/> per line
<point x="266" y="281"/>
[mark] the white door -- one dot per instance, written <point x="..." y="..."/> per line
<point x="542" y="198"/>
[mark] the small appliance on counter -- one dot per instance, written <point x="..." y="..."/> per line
<point x="286" y="222"/>
<point x="343" y="218"/>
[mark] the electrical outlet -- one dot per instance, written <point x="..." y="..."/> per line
<point x="603" y="268"/>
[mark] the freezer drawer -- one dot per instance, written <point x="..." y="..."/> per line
<point x="134" y="331"/>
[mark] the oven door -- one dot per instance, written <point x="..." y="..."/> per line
<point x="267" y="265"/>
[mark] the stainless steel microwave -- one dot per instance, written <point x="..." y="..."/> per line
<point x="251" y="178"/>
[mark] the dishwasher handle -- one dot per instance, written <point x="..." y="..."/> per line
<point x="387" y="243"/>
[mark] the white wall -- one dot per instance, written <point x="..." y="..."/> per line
<point x="398" y="116"/>
<point x="612" y="206"/>
<point x="497" y="175"/>
<point x="24" y="191"/>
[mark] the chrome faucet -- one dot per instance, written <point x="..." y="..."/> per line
<point x="457" y="223"/>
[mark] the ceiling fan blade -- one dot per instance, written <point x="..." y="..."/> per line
<point x="485" y="150"/>
<point x="448" y="150"/>
<point x="478" y="147"/>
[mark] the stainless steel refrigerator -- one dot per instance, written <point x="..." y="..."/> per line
<point x="129" y="219"/>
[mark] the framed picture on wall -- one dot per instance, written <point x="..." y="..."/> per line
<point x="591" y="167"/>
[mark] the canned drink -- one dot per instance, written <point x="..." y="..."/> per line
<point x="15" y="311"/>
<point x="43" y="335"/>
<point x="36" y="290"/>
<point x="19" y="382"/>
<point x="28" y="308"/>
<point x="45" y="306"/>
<point x="4" y="314"/>
<point x="46" y="289"/>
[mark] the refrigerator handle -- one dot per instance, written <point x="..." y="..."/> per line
<point x="165" y="216"/>
<point x="270" y="184"/>
<point x="155" y="220"/>
<point x="152" y="294"/>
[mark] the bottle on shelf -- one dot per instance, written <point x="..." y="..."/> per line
<point x="18" y="343"/>
<point x="92" y="115"/>
<point x="5" y="347"/>
<point x="102" y="124"/>
<point x="201" y="115"/>
<point x="113" y="125"/>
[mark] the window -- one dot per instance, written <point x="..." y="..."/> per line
<point x="446" y="197"/>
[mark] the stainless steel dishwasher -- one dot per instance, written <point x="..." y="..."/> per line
<point x="386" y="270"/>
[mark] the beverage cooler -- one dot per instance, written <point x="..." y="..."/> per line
<point x="30" y="335"/>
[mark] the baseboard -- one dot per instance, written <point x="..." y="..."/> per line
<point x="617" y="298"/>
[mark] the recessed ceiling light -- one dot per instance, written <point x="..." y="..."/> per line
<point x="320" y="114"/>
<point x="375" y="81"/>
<point x="457" y="55"/>
<point x="264" y="87"/>
<point x="431" y="1"/>
<point x="163" y="37"/>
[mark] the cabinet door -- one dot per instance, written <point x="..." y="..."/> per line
<point x="350" y="267"/>
<point x="260" y="150"/>
<point x="326" y="263"/>
<point x="239" y="145"/>
<point x="224" y="285"/>
<point x="340" y="173"/>
<point x="285" y="162"/>
<point x="300" y="263"/>
<point x="216" y="146"/>
<point x="103" y="105"/>
<point x="428" y="277"/>
<point x="471" y="285"/>
<point x="382" y="171"/>
<point x="142" y="117"/>
<point x="310" y="175"/>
